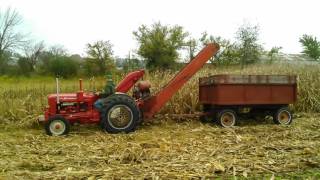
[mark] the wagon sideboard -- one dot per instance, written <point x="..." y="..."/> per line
<point x="248" y="90"/>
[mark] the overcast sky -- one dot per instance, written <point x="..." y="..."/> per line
<point x="73" y="23"/>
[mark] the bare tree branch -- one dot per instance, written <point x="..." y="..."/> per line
<point x="33" y="52"/>
<point x="9" y="37"/>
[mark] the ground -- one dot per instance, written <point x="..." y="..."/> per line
<point x="166" y="149"/>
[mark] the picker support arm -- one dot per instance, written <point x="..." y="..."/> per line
<point x="155" y="103"/>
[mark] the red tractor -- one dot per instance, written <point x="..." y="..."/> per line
<point x="114" y="110"/>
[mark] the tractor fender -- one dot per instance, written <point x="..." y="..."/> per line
<point x="100" y="103"/>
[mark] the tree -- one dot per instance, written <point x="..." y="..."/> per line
<point x="10" y="38"/>
<point x="24" y="67"/>
<point x="32" y="54"/>
<point x="230" y="54"/>
<point x="159" y="44"/>
<point x="56" y="61"/>
<point x="192" y="45"/>
<point x="273" y="52"/>
<point x="4" y="61"/>
<point x="63" y="66"/>
<point x="53" y="52"/>
<point x="249" y="48"/>
<point x="100" y="53"/>
<point x="130" y="63"/>
<point x="311" y="46"/>
<point x="58" y="50"/>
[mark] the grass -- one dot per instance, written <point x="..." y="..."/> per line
<point x="165" y="148"/>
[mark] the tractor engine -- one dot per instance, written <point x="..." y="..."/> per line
<point x="68" y="107"/>
<point x="141" y="90"/>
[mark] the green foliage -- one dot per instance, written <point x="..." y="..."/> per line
<point x="24" y="66"/>
<point x="311" y="46"/>
<point x="100" y="54"/>
<point x="273" y="53"/>
<point x="249" y="48"/>
<point x="56" y="61"/>
<point x="5" y="58"/>
<point x="192" y="47"/>
<point x="159" y="44"/>
<point x="131" y="64"/>
<point x="32" y="54"/>
<point x="90" y="67"/>
<point x="63" y="67"/>
<point x="45" y="58"/>
<point x="230" y="54"/>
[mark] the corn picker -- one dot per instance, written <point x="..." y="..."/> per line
<point x="114" y="110"/>
<point x="223" y="98"/>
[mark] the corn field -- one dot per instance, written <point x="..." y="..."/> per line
<point x="165" y="148"/>
<point x="22" y="100"/>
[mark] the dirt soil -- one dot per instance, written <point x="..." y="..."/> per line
<point x="166" y="149"/>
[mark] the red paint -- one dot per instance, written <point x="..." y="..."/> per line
<point x="79" y="106"/>
<point x="248" y="90"/>
<point x="156" y="102"/>
<point x="128" y="82"/>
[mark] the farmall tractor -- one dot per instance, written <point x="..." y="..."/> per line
<point x="114" y="110"/>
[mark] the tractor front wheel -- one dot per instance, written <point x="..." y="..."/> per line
<point x="57" y="126"/>
<point x="120" y="115"/>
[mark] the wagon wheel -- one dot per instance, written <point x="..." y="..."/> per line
<point x="282" y="116"/>
<point x="227" y="118"/>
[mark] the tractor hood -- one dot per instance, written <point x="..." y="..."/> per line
<point x="67" y="97"/>
<point x="64" y="96"/>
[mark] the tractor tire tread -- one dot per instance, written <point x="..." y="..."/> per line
<point x="115" y="99"/>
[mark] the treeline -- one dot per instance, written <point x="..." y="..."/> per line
<point x="159" y="47"/>
<point x="55" y="60"/>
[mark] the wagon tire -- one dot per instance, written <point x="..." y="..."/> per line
<point x="120" y="114"/>
<point x="57" y="126"/>
<point x="282" y="116"/>
<point x="227" y="118"/>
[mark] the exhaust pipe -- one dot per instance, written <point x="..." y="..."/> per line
<point x="80" y="84"/>
<point x="57" y="86"/>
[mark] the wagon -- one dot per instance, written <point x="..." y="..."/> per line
<point x="225" y="97"/>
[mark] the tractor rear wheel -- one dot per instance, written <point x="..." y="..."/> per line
<point x="57" y="126"/>
<point x="120" y="114"/>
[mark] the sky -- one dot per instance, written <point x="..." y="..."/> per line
<point x="74" y="23"/>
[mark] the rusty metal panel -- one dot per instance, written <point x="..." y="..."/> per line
<point x="156" y="102"/>
<point x="247" y="89"/>
<point x="248" y="79"/>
